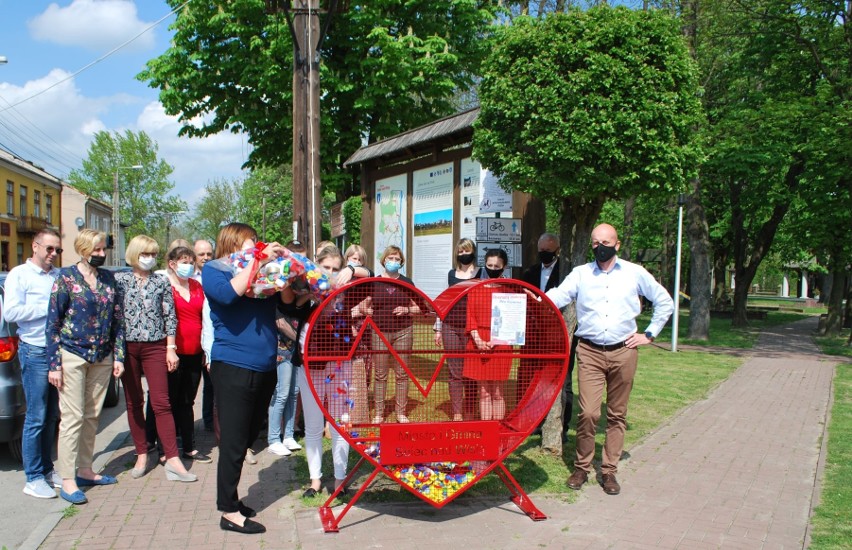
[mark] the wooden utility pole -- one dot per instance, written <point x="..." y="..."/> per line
<point x="303" y="20"/>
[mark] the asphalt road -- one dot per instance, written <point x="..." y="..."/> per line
<point x="25" y="521"/>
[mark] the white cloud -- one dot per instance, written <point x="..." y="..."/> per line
<point x="71" y="119"/>
<point x="196" y="161"/>
<point x="52" y="129"/>
<point x="93" y="24"/>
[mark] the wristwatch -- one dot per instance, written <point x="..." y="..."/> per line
<point x="174" y="346"/>
<point x="649" y="335"/>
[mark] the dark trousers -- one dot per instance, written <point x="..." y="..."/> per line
<point x="242" y="400"/>
<point x="207" y="400"/>
<point x="148" y="358"/>
<point x="183" y="387"/>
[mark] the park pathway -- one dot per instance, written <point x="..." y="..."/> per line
<point x="735" y="470"/>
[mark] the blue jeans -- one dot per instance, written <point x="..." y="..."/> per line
<point x="282" y="407"/>
<point x="42" y="412"/>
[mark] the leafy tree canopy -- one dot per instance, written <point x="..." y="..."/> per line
<point x="145" y="203"/>
<point x="385" y="66"/>
<point x="602" y="102"/>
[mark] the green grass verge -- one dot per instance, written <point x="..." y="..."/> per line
<point x="832" y="519"/>
<point x="835" y="345"/>
<point x="665" y="383"/>
<point x="722" y="334"/>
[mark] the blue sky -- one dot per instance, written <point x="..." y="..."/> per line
<point x="46" y="42"/>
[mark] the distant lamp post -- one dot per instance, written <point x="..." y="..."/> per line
<point x="116" y="225"/>
<point x="681" y="200"/>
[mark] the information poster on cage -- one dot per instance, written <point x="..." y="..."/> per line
<point x="508" y="319"/>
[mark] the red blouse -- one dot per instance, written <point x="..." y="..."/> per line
<point x="484" y="365"/>
<point x="188" y="337"/>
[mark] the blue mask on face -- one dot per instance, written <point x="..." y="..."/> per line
<point x="392" y="267"/>
<point x="185" y="271"/>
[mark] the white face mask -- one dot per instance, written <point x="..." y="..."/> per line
<point x="147" y="263"/>
<point x="184" y="271"/>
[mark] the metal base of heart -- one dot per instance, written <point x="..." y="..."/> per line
<point x="331" y="523"/>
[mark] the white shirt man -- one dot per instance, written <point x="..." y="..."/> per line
<point x="27" y="296"/>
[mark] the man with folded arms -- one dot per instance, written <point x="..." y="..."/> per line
<point x="27" y="297"/>
<point x="608" y="294"/>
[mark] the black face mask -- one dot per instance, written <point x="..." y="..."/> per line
<point x="97" y="261"/>
<point x="604" y="253"/>
<point x="465" y="259"/>
<point x="546" y="257"/>
<point x="494" y="273"/>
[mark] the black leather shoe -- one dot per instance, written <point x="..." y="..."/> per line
<point x="610" y="484"/>
<point x="246" y="511"/>
<point x="249" y="527"/>
<point x="310" y="492"/>
<point x="577" y="479"/>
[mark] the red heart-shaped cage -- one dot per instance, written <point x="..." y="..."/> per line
<point x="436" y="393"/>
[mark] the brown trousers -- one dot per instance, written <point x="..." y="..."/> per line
<point x="596" y="369"/>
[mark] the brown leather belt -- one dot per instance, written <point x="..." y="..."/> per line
<point x="609" y="347"/>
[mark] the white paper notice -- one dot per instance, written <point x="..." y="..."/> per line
<point x="508" y="319"/>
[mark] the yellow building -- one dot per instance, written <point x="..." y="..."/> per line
<point x="30" y="203"/>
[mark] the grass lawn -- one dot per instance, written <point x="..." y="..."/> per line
<point x="832" y="519"/>
<point x="665" y="383"/>
<point x="722" y="334"/>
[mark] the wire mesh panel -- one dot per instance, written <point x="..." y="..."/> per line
<point x="436" y="393"/>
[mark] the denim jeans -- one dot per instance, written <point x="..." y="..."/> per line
<point x="42" y="412"/>
<point x="282" y="407"/>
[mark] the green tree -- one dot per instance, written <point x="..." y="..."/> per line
<point x="215" y="209"/>
<point x="145" y="201"/>
<point x="589" y="106"/>
<point x="386" y="66"/>
<point x="586" y="106"/>
<point x="266" y="203"/>
<point x="778" y="107"/>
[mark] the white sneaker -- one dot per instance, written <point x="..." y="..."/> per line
<point x="279" y="449"/>
<point x="54" y="479"/>
<point x="291" y="444"/>
<point x="39" y="489"/>
<point x="402" y="419"/>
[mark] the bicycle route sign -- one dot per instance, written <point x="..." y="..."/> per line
<point x="498" y="230"/>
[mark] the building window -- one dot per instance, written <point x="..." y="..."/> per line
<point x="48" y="204"/>
<point x="10" y="198"/>
<point x="37" y="204"/>
<point x="23" y="201"/>
<point x="20" y="253"/>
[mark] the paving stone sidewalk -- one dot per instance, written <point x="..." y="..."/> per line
<point x="736" y="470"/>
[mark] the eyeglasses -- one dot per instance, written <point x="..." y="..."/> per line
<point x="50" y="249"/>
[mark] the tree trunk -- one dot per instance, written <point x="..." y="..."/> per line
<point x="579" y="216"/>
<point x="698" y="236"/>
<point x="749" y="254"/>
<point x="627" y="231"/>
<point x="834" y="322"/>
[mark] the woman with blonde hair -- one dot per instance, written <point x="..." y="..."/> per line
<point x="85" y="345"/>
<point x="150" y="325"/>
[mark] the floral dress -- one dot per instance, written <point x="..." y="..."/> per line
<point x="84" y="321"/>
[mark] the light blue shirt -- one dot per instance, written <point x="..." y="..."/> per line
<point x="27" y="297"/>
<point x="608" y="302"/>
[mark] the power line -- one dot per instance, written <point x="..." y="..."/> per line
<point x="98" y="60"/>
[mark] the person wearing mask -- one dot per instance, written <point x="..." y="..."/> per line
<point x="203" y="254"/>
<point x="26" y="299"/>
<point x="392" y="310"/>
<point x="301" y="306"/>
<point x="243" y="365"/>
<point x="183" y="381"/>
<point x="362" y="364"/>
<point x="607" y="294"/>
<point x="545" y="275"/>
<point x="450" y="334"/>
<point x="491" y="371"/>
<point x="84" y="346"/>
<point x="150" y="325"/>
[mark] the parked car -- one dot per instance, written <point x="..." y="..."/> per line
<point x="13" y="406"/>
